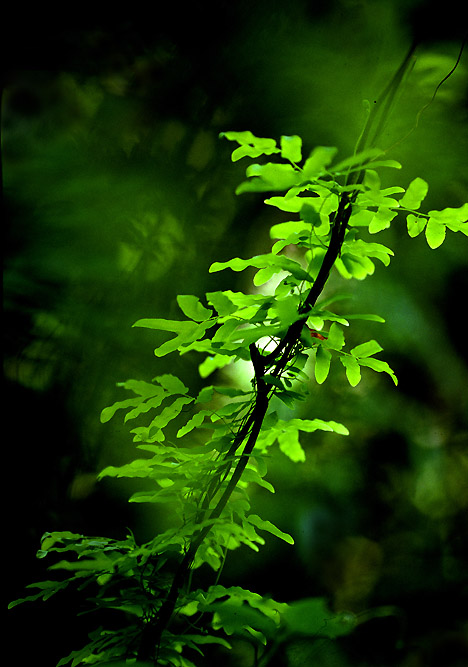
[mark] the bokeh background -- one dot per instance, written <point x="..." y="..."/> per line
<point x="118" y="195"/>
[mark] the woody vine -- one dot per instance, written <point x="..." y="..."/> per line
<point x="338" y="207"/>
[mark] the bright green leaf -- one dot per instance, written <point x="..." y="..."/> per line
<point x="379" y="366"/>
<point x="191" y="307"/>
<point x="318" y="160"/>
<point x="335" y="338"/>
<point x="267" y="177"/>
<point x="291" y="148"/>
<point x="171" y="384"/>
<point x="221" y="302"/>
<point x="366" y="349"/>
<point x="415" y="193"/>
<point x="109" y="412"/>
<point x="250" y="145"/>
<point x="281" y="262"/>
<point x="415" y="224"/>
<point x="435" y="233"/>
<point x="353" y="371"/>
<point x="322" y="364"/>
<point x="381" y="220"/>
<point x="361" y="218"/>
<point x="289" y="444"/>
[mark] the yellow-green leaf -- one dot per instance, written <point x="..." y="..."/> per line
<point x="435" y="233"/>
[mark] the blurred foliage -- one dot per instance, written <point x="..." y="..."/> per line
<point x="118" y="195"/>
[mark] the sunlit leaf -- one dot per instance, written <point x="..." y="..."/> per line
<point x="415" y="193"/>
<point x="415" y="224"/>
<point x="435" y="233"/>
<point x="322" y="364"/>
<point x="362" y="217"/>
<point x="192" y="307"/>
<point x="335" y="339"/>
<point x="250" y="145"/>
<point x="289" y="444"/>
<point x="171" y="384"/>
<point x="291" y="148"/>
<point x="187" y="332"/>
<point x="353" y="371"/>
<point x="109" y="412"/>
<point x="318" y="160"/>
<point x="366" y="349"/>
<point x="280" y="262"/>
<point x="381" y="220"/>
<point x="267" y="177"/>
<point x="379" y="366"/>
<point x="221" y="302"/>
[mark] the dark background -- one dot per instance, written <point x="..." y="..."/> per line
<point x="118" y="195"/>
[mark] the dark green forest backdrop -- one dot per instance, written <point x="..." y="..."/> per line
<point x="118" y="195"/>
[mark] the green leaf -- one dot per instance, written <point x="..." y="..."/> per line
<point x="318" y="160"/>
<point x="192" y="307"/>
<point x="415" y="224"/>
<point x="291" y="148"/>
<point x="280" y="262"/>
<point x="285" y="230"/>
<point x="335" y="339"/>
<point x="213" y="363"/>
<point x="354" y="267"/>
<point x="267" y="177"/>
<point x="251" y="476"/>
<point x="109" y="412"/>
<point x="205" y="395"/>
<point x="170" y="413"/>
<point x="264" y="275"/>
<point x="312" y="425"/>
<point x="289" y="444"/>
<point x="353" y="371"/>
<point x="454" y="218"/>
<point x="261" y="524"/>
<point x="171" y="384"/>
<point x="322" y="364"/>
<point x="415" y="193"/>
<point x="366" y="349"/>
<point x="361" y="217"/>
<point x="435" y="233"/>
<point x="195" y="422"/>
<point x="221" y="302"/>
<point x="381" y="219"/>
<point x="379" y="366"/>
<point x="137" y="468"/>
<point x="187" y="332"/>
<point x="146" y="406"/>
<point x="370" y="317"/>
<point x="250" y="145"/>
<point x="360" y="248"/>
